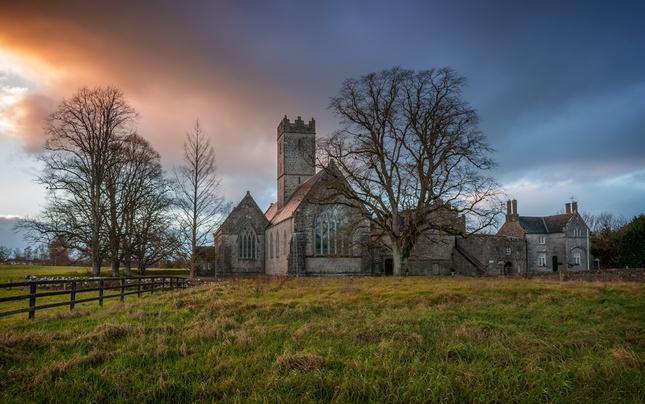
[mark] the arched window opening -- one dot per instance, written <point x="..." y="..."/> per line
<point x="271" y="246"/>
<point x="284" y="241"/>
<point x="277" y="243"/>
<point x="329" y="237"/>
<point x="247" y="243"/>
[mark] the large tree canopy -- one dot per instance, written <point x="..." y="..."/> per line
<point x="412" y="155"/>
<point x="103" y="181"/>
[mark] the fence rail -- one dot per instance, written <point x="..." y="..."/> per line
<point x="124" y="286"/>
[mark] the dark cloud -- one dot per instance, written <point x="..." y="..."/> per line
<point x="559" y="85"/>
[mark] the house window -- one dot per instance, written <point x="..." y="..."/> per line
<point x="277" y="244"/>
<point x="541" y="240"/>
<point x="247" y="243"/>
<point x="271" y="245"/>
<point x="508" y="250"/>
<point x="576" y="258"/>
<point x="328" y="227"/>
<point x="284" y="241"/>
<point x="542" y="259"/>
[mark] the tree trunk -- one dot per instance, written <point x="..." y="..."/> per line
<point x="397" y="265"/>
<point x="127" y="271"/>
<point x="96" y="267"/>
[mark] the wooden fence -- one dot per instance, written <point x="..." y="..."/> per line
<point x="124" y="286"/>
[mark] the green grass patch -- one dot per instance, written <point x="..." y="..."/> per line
<point x="420" y="339"/>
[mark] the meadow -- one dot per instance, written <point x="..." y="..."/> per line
<point x="315" y="340"/>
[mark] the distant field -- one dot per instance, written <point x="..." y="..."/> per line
<point x="408" y="340"/>
<point x="18" y="272"/>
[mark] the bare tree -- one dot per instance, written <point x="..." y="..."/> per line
<point x="412" y="155"/>
<point x="83" y="146"/>
<point x="197" y="196"/>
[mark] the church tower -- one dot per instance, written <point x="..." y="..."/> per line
<point x="296" y="154"/>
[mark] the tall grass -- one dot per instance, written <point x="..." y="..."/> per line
<point x="339" y="340"/>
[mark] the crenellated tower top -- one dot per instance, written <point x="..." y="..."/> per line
<point x="298" y="126"/>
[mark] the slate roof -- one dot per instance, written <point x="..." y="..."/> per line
<point x="276" y="216"/>
<point x="546" y="224"/>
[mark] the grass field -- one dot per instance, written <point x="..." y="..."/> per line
<point x="402" y="340"/>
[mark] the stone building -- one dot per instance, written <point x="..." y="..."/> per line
<point x="557" y="242"/>
<point x="296" y="235"/>
<point x="299" y="236"/>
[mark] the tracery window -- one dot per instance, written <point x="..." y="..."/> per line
<point x="328" y="232"/>
<point x="247" y="243"/>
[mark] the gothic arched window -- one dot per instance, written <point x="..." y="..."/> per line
<point x="271" y="246"/>
<point x="247" y="243"/>
<point x="284" y="241"/>
<point x="277" y="243"/>
<point x="328" y="232"/>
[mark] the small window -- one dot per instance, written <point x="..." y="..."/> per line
<point x="542" y="260"/>
<point x="277" y="244"/>
<point x="284" y="242"/>
<point x="271" y="246"/>
<point x="541" y="240"/>
<point x="576" y="258"/>
<point x="508" y="250"/>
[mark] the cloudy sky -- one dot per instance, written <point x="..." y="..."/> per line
<point x="559" y="86"/>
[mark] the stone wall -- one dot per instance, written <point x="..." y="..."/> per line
<point x="431" y="256"/>
<point x="603" y="275"/>
<point x="497" y="254"/>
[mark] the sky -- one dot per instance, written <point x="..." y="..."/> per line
<point x="559" y="85"/>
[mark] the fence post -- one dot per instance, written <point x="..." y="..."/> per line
<point x="122" y="288"/>
<point x="152" y="285"/>
<point x="139" y="288"/>
<point x="101" y="286"/>
<point x="32" y="300"/>
<point x="72" y="296"/>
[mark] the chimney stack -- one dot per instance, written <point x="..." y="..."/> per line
<point x="515" y="208"/>
<point x="511" y="211"/>
<point x="575" y="207"/>
<point x="568" y="205"/>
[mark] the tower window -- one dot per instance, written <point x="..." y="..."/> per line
<point x="508" y="250"/>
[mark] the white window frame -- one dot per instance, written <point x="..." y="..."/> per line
<point x="542" y="259"/>
<point x="576" y="258"/>
<point x="508" y="250"/>
<point x="542" y="240"/>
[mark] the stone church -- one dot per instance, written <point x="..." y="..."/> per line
<point x="298" y="237"/>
